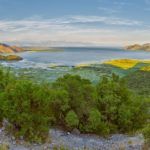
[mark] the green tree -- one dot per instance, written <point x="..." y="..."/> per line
<point x="81" y="93"/>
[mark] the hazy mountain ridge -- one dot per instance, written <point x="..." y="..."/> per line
<point x="145" y="47"/>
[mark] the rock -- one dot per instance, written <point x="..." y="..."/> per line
<point x="45" y="147"/>
<point x="5" y="123"/>
<point x="21" y="138"/>
<point x="75" y="131"/>
<point x="14" y="142"/>
<point x="13" y="138"/>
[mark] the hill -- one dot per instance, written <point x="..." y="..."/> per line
<point x="4" y="48"/>
<point x="145" y="47"/>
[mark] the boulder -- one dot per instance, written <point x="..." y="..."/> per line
<point x="75" y="131"/>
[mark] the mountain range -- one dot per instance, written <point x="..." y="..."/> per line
<point x="145" y="47"/>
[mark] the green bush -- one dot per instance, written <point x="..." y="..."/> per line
<point x="146" y="132"/>
<point x="95" y="123"/>
<point x="5" y="79"/>
<point x="72" y="120"/>
<point x="71" y="102"/>
<point x="120" y="108"/>
<point x="27" y="110"/>
<point x="59" y="105"/>
<point x="81" y="94"/>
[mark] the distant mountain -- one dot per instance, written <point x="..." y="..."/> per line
<point x="145" y="47"/>
<point x="4" y="48"/>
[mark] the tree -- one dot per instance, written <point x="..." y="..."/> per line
<point x="81" y="93"/>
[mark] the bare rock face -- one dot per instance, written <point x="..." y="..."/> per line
<point x="4" y="48"/>
<point x="145" y="47"/>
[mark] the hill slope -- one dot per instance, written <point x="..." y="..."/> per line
<point x="145" y="47"/>
<point x="4" y="48"/>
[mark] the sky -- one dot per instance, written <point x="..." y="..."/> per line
<point x="75" y="22"/>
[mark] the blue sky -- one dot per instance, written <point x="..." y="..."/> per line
<point x="75" y="22"/>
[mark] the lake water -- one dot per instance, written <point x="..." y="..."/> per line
<point x="74" y="56"/>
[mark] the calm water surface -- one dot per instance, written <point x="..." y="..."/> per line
<point x="74" y="56"/>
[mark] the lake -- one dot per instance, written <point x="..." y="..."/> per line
<point x="74" y="56"/>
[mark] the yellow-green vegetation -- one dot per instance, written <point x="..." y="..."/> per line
<point x="146" y="68"/>
<point x="10" y="57"/>
<point x="4" y="146"/>
<point x="126" y="63"/>
<point x="70" y="102"/>
<point x="53" y="65"/>
<point x="122" y="63"/>
<point x="82" y="65"/>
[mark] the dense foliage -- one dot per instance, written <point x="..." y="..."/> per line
<point x="139" y="81"/>
<point x="70" y="102"/>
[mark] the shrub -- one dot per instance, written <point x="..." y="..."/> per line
<point x="71" y="119"/>
<point x="59" y="105"/>
<point x="5" y="79"/>
<point x="95" y="123"/>
<point x="71" y="102"/>
<point x="27" y="108"/>
<point x="120" y="108"/>
<point x="146" y="132"/>
<point x="81" y="94"/>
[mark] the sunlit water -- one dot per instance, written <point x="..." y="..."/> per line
<point x="74" y="56"/>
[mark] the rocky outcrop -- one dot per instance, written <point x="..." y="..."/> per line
<point x="145" y="47"/>
<point x="10" y="58"/>
<point x="4" y="48"/>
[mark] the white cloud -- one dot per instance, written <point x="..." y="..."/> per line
<point x="69" y="30"/>
<point x="31" y="24"/>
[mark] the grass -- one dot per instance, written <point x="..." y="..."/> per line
<point x="146" y="68"/>
<point x="4" y="147"/>
<point x="123" y="63"/>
